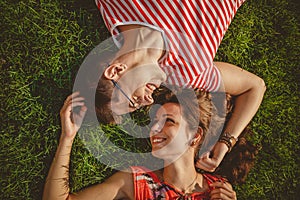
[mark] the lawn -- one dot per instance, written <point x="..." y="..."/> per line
<point x="43" y="44"/>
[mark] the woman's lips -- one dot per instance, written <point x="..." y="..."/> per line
<point x="157" y="140"/>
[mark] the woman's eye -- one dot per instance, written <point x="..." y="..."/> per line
<point x="170" y="120"/>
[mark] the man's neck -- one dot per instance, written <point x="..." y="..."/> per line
<point x="141" y="45"/>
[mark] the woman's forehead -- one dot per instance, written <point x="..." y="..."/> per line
<point x="169" y="109"/>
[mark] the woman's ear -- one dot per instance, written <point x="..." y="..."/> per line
<point x="113" y="71"/>
<point x="197" y="137"/>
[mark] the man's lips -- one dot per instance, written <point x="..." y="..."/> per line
<point x="152" y="86"/>
<point x="148" y="98"/>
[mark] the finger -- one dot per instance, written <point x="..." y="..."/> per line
<point x="76" y="99"/>
<point x="82" y="111"/>
<point x="223" y="184"/>
<point x="205" y="155"/>
<point x="70" y="97"/>
<point x="206" y="163"/>
<point x="72" y="102"/>
<point x="76" y="104"/>
<point x="222" y="194"/>
<point x="67" y="108"/>
<point x="222" y="191"/>
<point x="203" y="165"/>
<point x="80" y="116"/>
<point x="74" y="94"/>
<point x="68" y="101"/>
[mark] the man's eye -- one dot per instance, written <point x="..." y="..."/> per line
<point x="153" y="122"/>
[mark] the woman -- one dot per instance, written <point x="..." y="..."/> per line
<point x="176" y="135"/>
<point x="174" y="42"/>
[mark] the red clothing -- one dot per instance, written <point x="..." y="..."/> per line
<point x="147" y="186"/>
<point x="192" y="31"/>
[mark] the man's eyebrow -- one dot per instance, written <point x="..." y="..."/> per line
<point x="168" y="115"/>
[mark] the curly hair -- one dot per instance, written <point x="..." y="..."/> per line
<point x="198" y="108"/>
<point x="237" y="164"/>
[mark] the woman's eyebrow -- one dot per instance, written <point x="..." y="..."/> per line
<point x="163" y="115"/>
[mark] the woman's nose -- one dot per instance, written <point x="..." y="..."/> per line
<point x="156" y="128"/>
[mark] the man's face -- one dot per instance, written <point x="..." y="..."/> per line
<point x="138" y="84"/>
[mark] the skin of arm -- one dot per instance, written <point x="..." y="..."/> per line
<point x="119" y="185"/>
<point x="249" y="90"/>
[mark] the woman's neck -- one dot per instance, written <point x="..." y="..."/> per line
<point x="182" y="175"/>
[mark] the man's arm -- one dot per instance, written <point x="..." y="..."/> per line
<point x="249" y="90"/>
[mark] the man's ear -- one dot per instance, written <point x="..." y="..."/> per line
<point x="113" y="71"/>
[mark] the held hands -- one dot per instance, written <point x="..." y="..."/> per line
<point x="210" y="163"/>
<point x="222" y="190"/>
<point x="71" y="121"/>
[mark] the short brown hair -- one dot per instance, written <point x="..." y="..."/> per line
<point x="103" y="99"/>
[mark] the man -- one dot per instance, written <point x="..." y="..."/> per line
<point x="173" y="42"/>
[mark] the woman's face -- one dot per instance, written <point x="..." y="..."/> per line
<point x="170" y="135"/>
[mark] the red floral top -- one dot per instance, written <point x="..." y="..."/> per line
<point x="147" y="186"/>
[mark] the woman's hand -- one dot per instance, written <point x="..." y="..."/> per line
<point x="210" y="163"/>
<point x="71" y="121"/>
<point x="222" y="190"/>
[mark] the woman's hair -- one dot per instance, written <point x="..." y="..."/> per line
<point x="193" y="106"/>
<point x="237" y="163"/>
<point x="199" y="109"/>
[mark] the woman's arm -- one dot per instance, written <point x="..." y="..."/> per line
<point x="118" y="186"/>
<point x="57" y="182"/>
<point x="249" y="90"/>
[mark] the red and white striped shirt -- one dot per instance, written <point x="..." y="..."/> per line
<point x="193" y="31"/>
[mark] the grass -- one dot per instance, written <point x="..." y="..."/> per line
<point x="42" y="46"/>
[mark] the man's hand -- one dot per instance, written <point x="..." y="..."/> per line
<point x="210" y="164"/>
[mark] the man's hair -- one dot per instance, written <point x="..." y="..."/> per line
<point x="103" y="99"/>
